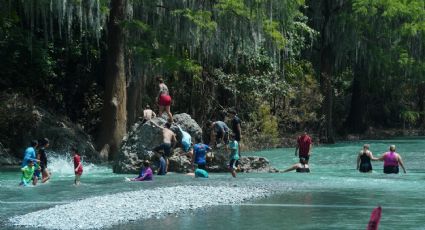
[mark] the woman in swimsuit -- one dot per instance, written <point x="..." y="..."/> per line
<point x="391" y="161"/>
<point x="363" y="159"/>
<point x="164" y="100"/>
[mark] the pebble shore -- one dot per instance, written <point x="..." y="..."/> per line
<point x="108" y="210"/>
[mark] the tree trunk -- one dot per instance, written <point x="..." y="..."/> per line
<point x="355" y="120"/>
<point x="114" y="116"/>
<point x="421" y="103"/>
<point x="326" y="72"/>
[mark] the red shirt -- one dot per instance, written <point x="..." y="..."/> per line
<point x="304" y="142"/>
<point x="77" y="161"/>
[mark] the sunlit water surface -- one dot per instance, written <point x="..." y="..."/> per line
<point x="333" y="196"/>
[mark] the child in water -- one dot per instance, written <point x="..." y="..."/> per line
<point x="28" y="174"/>
<point x="234" y="155"/>
<point x="145" y="173"/>
<point x="78" y="166"/>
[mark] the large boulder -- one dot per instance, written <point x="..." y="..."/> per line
<point x="21" y="121"/>
<point x="142" y="138"/>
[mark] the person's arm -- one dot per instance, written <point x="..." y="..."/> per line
<point x="381" y="158"/>
<point x="400" y="161"/>
<point x="293" y="167"/>
<point x="296" y="149"/>
<point x="309" y="149"/>
<point x="153" y="114"/>
<point x="78" y="167"/>
<point x="174" y="140"/>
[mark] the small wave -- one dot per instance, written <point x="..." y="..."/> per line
<point x="106" y="211"/>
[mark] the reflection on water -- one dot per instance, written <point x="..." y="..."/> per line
<point x="333" y="196"/>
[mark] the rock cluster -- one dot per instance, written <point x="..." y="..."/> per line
<point x="142" y="138"/>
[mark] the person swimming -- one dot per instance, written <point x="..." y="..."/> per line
<point x="301" y="167"/>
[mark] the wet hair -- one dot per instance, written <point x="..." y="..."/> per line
<point x="366" y="146"/>
<point x="44" y="141"/>
<point x="146" y="163"/>
<point x="232" y="111"/>
<point x="167" y="125"/>
<point x="34" y="143"/>
<point x="198" y="139"/>
<point x="392" y="147"/>
<point x="74" y="149"/>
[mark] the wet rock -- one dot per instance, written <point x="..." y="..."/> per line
<point x="6" y="158"/>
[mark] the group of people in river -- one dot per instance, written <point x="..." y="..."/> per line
<point x="34" y="164"/>
<point x="196" y="151"/>
<point x="392" y="160"/>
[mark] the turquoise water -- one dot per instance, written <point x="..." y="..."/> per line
<point x="333" y="196"/>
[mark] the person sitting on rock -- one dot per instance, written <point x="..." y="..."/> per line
<point x="168" y="139"/>
<point x="145" y="172"/>
<point x="301" y="167"/>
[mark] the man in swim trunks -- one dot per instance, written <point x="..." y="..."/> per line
<point x="168" y="139"/>
<point x="164" y="100"/>
<point x="304" y="146"/>
<point x="391" y="161"/>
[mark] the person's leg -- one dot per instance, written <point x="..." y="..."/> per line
<point x="161" y="110"/>
<point x="170" y="116"/>
<point x="45" y="175"/>
<point x="34" y="180"/>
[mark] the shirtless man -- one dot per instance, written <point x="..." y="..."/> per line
<point x="168" y="139"/>
<point x="148" y="114"/>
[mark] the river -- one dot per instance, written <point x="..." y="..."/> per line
<point x="333" y="196"/>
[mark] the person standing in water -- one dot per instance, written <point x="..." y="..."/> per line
<point x="199" y="155"/>
<point x="78" y="166"/>
<point x="391" y="161"/>
<point x="234" y="155"/>
<point x="304" y="146"/>
<point x="164" y="100"/>
<point x="363" y="159"/>
<point x="30" y="156"/>
<point x="236" y="128"/>
<point x="301" y="167"/>
<point x="42" y="156"/>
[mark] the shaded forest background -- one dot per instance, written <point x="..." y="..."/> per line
<point x="333" y="66"/>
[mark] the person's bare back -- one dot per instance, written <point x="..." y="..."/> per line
<point x="168" y="136"/>
<point x="148" y="114"/>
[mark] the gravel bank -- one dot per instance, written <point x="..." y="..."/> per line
<point x="105" y="211"/>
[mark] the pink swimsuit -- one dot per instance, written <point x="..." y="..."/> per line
<point x="390" y="159"/>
